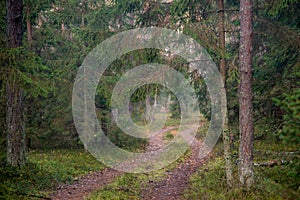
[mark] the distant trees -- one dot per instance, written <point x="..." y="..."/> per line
<point x="290" y="104"/>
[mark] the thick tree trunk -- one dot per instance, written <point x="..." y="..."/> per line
<point x="16" y="143"/>
<point x="222" y="68"/>
<point x="245" y="96"/>
<point x="14" y="23"/>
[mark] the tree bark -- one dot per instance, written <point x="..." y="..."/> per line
<point x="29" y="27"/>
<point x="16" y="143"/>
<point x="246" y="174"/>
<point x="222" y="68"/>
<point x="14" y="23"/>
<point x="222" y="65"/>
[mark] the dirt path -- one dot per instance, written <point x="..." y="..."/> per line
<point x="172" y="187"/>
<point x="177" y="180"/>
<point x="88" y="183"/>
<point x="85" y="185"/>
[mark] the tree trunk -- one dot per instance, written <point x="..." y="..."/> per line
<point x="83" y="8"/>
<point x="14" y="23"/>
<point x="16" y="143"/>
<point x="82" y="19"/>
<point x="28" y="24"/>
<point x="245" y="96"/>
<point x="148" y="111"/>
<point x="222" y="68"/>
<point x="155" y="98"/>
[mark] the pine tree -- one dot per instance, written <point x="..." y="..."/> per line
<point x="14" y="114"/>
<point x="246" y="175"/>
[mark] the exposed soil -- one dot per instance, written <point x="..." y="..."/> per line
<point x="85" y="185"/>
<point x="172" y="187"/>
<point x="177" y="180"/>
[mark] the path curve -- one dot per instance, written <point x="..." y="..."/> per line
<point x="177" y="180"/>
<point x="91" y="182"/>
<point x="85" y="185"/>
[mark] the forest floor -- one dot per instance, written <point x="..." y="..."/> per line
<point x="192" y="178"/>
<point x="76" y="174"/>
<point x="177" y="179"/>
<point x="85" y="185"/>
<point x="171" y="186"/>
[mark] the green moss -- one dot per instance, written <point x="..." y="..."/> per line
<point x="168" y="136"/>
<point x="127" y="186"/>
<point x="43" y="172"/>
<point x="276" y="182"/>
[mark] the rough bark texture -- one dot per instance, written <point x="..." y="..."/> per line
<point x="14" y="22"/>
<point x="245" y="96"/>
<point x="16" y="143"/>
<point x="222" y="68"/>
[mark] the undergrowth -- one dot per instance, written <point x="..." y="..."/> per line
<point x="277" y="173"/>
<point x="43" y="172"/>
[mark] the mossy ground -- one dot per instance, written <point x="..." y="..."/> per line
<point x="44" y="171"/>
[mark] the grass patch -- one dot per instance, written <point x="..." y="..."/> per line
<point x="169" y="135"/>
<point x="276" y="182"/>
<point x="127" y="186"/>
<point x="43" y="172"/>
<point x="172" y="121"/>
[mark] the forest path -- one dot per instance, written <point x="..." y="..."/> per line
<point x="172" y="187"/>
<point x="91" y="182"/>
<point x="177" y="179"/>
<point x="85" y="185"/>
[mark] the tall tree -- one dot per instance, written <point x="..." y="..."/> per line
<point x="222" y="68"/>
<point x="246" y="175"/>
<point x="14" y="115"/>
